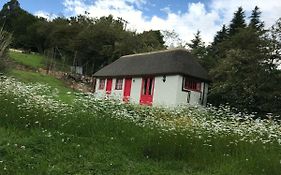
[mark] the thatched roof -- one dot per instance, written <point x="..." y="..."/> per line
<point x="168" y="62"/>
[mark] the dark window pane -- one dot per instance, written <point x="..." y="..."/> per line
<point x="150" y="86"/>
<point x="145" y="86"/>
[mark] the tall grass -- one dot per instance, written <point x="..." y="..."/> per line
<point x="207" y="140"/>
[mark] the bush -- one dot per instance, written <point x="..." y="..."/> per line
<point x="5" y="41"/>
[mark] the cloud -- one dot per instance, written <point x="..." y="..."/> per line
<point x="208" y="18"/>
<point x="271" y="9"/>
<point x="45" y="15"/>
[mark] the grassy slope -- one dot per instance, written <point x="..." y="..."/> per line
<point x="33" y="77"/>
<point x="101" y="147"/>
<point x="36" y="61"/>
<point x="31" y="60"/>
<point x="99" y="151"/>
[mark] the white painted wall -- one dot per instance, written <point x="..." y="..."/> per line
<point x="166" y="94"/>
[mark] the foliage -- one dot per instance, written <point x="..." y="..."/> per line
<point x="242" y="66"/>
<point x="172" y="39"/>
<point x="16" y="20"/>
<point x="81" y="41"/>
<point x="275" y="44"/>
<point x="255" y="21"/>
<point x="5" y="40"/>
<point x="92" y="136"/>
<point x="237" y="22"/>
<point x="198" y="48"/>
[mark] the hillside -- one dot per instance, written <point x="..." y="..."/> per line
<point x="42" y="133"/>
<point x="43" y="136"/>
<point x="50" y="123"/>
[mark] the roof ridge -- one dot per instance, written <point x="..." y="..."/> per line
<point x="154" y="52"/>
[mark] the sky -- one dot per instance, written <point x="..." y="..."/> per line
<point x="184" y="17"/>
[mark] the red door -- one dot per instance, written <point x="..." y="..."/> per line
<point x="108" y="86"/>
<point x="127" y="89"/>
<point x="147" y="91"/>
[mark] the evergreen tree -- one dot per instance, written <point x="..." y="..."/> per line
<point x="243" y="77"/>
<point x="255" y="21"/>
<point x="274" y="34"/>
<point x="238" y="22"/>
<point x="221" y="35"/>
<point x="197" y="46"/>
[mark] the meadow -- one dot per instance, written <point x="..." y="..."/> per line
<point x="30" y="60"/>
<point x="41" y="134"/>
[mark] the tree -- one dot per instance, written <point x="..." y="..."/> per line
<point x="199" y="50"/>
<point x="220" y="36"/>
<point x="151" y="41"/>
<point x="16" y="20"/>
<point x="255" y="21"/>
<point x="274" y="34"/>
<point x="5" y="40"/>
<point x="238" y="22"/>
<point x="244" y="75"/>
<point x="172" y="39"/>
<point x="243" y="78"/>
<point x="197" y="46"/>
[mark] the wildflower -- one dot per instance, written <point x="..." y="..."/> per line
<point x="49" y="135"/>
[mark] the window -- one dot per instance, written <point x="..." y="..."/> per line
<point x="101" y="84"/>
<point x="191" y="84"/>
<point x="119" y="84"/>
<point x="147" y="86"/>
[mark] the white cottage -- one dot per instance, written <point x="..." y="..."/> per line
<point x="163" y="78"/>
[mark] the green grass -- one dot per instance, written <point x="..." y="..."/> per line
<point x="34" y="77"/>
<point x="30" y="60"/>
<point x="36" y="61"/>
<point x="94" y="137"/>
<point x="90" y="144"/>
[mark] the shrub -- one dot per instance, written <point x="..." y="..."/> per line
<point x="5" y="41"/>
